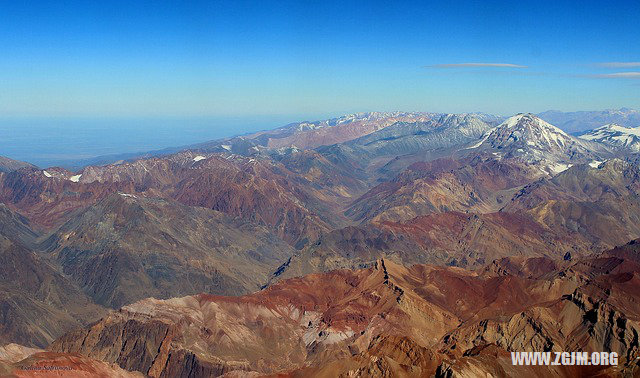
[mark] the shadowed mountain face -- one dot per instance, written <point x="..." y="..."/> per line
<point x="37" y="303"/>
<point x="16" y="227"/>
<point x="378" y="244"/>
<point x="9" y="165"/>
<point x="126" y="248"/>
<point x="597" y="203"/>
<point x="418" y="320"/>
<point x="409" y="138"/>
<point x="451" y="238"/>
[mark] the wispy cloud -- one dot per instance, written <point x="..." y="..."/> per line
<point x="618" y="75"/>
<point x="458" y="65"/>
<point x="618" y="64"/>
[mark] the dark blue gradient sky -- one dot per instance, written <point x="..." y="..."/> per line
<point x="236" y="58"/>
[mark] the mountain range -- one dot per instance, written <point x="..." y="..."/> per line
<point x="575" y="122"/>
<point x="374" y="244"/>
<point x="616" y="136"/>
<point x="312" y="134"/>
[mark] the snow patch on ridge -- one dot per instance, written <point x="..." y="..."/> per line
<point x="47" y="174"/>
<point x="512" y="121"/>
<point x="605" y="131"/>
<point x="480" y="142"/>
<point x="75" y="178"/>
<point x="616" y="136"/>
<point x="516" y="119"/>
<point x="198" y="158"/>
<point x="559" y="167"/>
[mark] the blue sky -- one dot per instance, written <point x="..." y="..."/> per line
<point x="310" y="59"/>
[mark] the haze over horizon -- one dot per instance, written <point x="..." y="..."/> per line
<point x="72" y="142"/>
<point x="124" y="77"/>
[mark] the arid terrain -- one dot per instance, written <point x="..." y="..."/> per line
<point x="373" y="244"/>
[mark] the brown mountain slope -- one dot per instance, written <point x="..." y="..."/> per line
<point x="600" y="204"/>
<point x="384" y="320"/>
<point x="238" y="186"/>
<point x="337" y="181"/>
<point x="451" y="238"/>
<point x="612" y="179"/>
<point x="479" y="185"/>
<point x="48" y="201"/>
<point x="315" y="319"/>
<point x="252" y="189"/>
<point x="15" y="352"/>
<point x="315" y="134"/>
<point x="37" y="303"/>
<point x="9" y="165"/>
<point x="47" y="364"/>
<point x="128" y="247"/>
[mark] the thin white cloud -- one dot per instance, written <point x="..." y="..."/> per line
<point x="457" y="65"/>
<point x="618" y="75"/>
<point x="618" y="64"/>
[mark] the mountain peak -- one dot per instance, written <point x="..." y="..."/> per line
<point x="619" y="127"/>
<point x="611" y="126"/>
<point x="521" y="120"/>
<point x="529" y="130"/>
<point x="528" y="137"/>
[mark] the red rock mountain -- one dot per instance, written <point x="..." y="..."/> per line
<point x="235" y="185"/>
<point x="384" y="320"/>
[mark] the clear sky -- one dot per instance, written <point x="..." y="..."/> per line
<point x="303" y="59"/>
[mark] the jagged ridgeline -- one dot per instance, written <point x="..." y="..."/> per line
<point x="374" y="244"/>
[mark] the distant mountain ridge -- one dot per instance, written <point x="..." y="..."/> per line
<point x="575" y="122"/>
<point x="313" y="134"/>
<point x="616" y="136"/>
<point x="9" y="165"/>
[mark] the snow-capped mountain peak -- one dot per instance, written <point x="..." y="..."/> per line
<point x="529" y="131"/>
<point x="528" y="137"/>
<point x="513" y="121"/>
<point x="528" y="119"/>
<point x="616" y="136"/>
